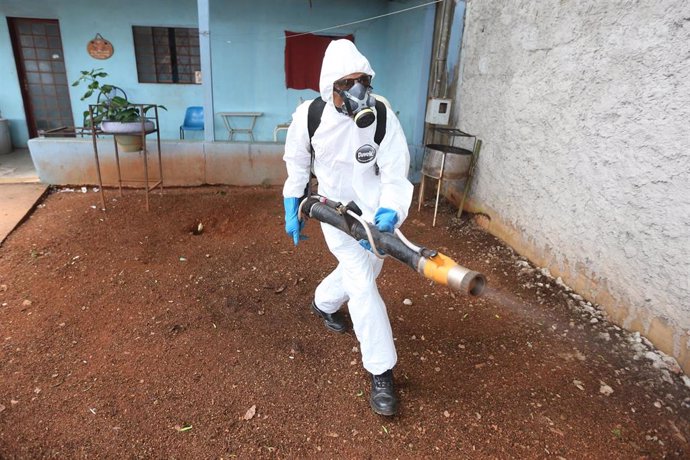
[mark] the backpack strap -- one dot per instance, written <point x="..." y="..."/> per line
<point x="380" y="128"/>
<point x="314" y="119"/>
<point x="380" y="122"/>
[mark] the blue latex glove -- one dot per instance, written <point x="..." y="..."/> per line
<point x="385" y="220"/>
<point x="366" y="245"/>
<point x="293" y="226"/>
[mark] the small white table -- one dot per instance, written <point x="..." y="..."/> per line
<point x="232" y="127"/>
<point x="281" y="127"/>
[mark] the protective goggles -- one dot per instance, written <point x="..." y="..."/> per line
<point x="345" y="84"/>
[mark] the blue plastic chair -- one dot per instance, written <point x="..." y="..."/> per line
<point x="193" y="120"/>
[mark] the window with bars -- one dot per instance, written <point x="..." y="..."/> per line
<point x="166" y="54"/>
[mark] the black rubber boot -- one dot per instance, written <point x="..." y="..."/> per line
<point x="333" y="321"/>
<point x="382" y="399"/>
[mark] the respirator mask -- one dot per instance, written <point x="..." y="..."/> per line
<point x="357" y="99"/>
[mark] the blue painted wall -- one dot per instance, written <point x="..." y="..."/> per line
<point x="247" y="47"/>
<point x="80" y="20"/>
<point x="410" y="39"/>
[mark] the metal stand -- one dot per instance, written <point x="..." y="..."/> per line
<point x="143" y="132"/>
<point x="470" y="175"/>
<point x="438" y="190"/>
<point x="451" y="132"/>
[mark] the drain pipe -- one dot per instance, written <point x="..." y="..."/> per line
<point x="442" y="35"/>
<point x="439" y="75"/>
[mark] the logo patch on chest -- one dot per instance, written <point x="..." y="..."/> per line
<point x="365" y="153"/>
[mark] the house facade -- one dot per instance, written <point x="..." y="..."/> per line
<point x="223" y="56"/>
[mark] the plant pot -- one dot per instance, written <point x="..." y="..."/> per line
<point x="126" y="127"/>
<point x="127" y="133"/>
<point x="128" y="143"/>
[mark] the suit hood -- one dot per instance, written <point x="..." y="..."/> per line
<point x="341" y="58"/>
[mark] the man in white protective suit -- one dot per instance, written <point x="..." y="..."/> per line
<point x="350" y="166"/>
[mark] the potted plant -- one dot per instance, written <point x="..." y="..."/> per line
<point x="113" y="113"/>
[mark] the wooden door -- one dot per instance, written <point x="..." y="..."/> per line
<point x="41" y="68"/>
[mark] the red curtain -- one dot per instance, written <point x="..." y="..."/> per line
<point x="303" y="57"/>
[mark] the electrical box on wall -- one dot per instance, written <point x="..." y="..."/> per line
<point x="438" y="111"/>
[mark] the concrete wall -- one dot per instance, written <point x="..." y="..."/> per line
<point x="583" y="107"/>
<point x="185" y="163"/>
<point x="247" y="48"/>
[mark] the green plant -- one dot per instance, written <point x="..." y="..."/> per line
<point x="112" y="103"/>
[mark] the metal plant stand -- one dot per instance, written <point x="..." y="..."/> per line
<point x="144" y="130"/>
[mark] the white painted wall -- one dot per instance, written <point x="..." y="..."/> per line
<point x="584" y="110"/>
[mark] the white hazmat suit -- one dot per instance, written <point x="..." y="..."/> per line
<point x="345" y="176"/>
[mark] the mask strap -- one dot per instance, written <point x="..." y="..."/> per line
<point x="344" y="108"/>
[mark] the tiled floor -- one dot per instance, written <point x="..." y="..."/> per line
<point x="16" y="201"/>
<point x="17" y="167"/>
<point x="19" y="189"/>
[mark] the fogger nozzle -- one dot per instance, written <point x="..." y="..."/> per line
<point x="444" y="270"/>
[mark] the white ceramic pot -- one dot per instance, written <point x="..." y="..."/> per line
<point x="128" y="127"/>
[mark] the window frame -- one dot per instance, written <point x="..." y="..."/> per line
<point x="166" y="54"/>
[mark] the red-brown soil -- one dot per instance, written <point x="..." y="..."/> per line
<point x="124" y="335"/>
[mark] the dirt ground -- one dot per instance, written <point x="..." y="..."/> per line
<point x="125" y="335"/>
